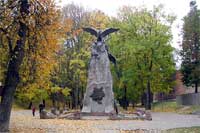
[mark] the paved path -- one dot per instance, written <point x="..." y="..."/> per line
<point x="23" y="121"/>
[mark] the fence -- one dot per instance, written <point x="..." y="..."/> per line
<point x="188" y="99"/>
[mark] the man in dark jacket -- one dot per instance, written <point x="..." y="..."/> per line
<point x="41" y="107"/>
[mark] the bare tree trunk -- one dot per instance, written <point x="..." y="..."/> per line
<point x="196" y="87"/>
<point x="53" y="101"/>
<point x="143" y="98"/>
<point x="44" y="103"/>
<point x="78" y="96"/>
<point x="148" y="97"/>
<point x="148" y="100"/>
<point x="125" y="97"/>
<point x="73" y="99"/>
<point x="30" y="105"/>
<point x="82" y="94"/>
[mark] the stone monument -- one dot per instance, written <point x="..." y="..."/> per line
<point x="99" y="96"/>
<point x="99" y="101"/>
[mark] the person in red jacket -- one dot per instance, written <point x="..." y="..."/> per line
<point x="33" y="110"/>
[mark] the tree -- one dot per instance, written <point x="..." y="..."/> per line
<point x="74" y="55"/>
<point x="71" y="72"/>
<point x="30" y="33"/>
<point x="43" y="43"/>
<point x="190" y="52"/>
<point x="15" y="60"/>
<point x="143" y="52"/>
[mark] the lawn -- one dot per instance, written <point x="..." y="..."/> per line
<point x="184" y="130"/>
<point x="171" y="106"/>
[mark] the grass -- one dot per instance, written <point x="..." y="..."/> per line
<point x="165" y="106"/>
<point x="184" y="130"/>
<point x="171" y="106"/>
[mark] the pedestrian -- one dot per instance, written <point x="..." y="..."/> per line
<point x="41" y="107"/>
<point x="33" y="110"/>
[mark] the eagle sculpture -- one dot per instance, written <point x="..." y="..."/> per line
<point x="100" y="35"/>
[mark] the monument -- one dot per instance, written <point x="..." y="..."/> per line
<point x="99" y="97"/>
<point x="98" y="100"/>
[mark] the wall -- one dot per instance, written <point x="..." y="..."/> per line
<point x="188" y="99"/>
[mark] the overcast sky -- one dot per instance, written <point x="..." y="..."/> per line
<point x="178" y="7"/>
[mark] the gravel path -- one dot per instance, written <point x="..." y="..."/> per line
<point x="22" y="121"/>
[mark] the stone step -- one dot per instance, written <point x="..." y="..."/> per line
<point x="95" y="117"/>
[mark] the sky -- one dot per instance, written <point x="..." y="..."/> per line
<point x="180" y="8"/>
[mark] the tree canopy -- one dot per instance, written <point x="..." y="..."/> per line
<point x="45" y="53"/>
<point x="143" y="51"/>
<point x="190" y="52"/>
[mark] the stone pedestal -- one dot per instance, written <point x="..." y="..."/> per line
<point x="99" y="96"/>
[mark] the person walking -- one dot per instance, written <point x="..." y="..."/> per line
<point x="33" y="110"/>
<point x="41" y="107"/>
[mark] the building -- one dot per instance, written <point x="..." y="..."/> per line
<point x="178" y="89"/>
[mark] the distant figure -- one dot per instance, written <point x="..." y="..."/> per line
<point x="41" y="107"/>
<point x="115" y="106"/>
<point x="33" y="110"/>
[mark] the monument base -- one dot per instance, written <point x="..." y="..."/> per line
<point x="107" y="116"/>
<point x="96" y="116"/>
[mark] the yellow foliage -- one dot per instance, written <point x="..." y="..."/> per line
<point x="46" y="31"/>
<point x="98" y="20"/>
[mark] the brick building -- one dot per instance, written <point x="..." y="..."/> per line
<point x="178" y="89"/>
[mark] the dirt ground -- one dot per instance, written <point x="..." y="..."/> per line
<point x="22" y="121"/>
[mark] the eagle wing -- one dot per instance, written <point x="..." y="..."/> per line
<point x="112" y="58"/>
<point x="92" y="31"/>
<point x="108" y="31"/>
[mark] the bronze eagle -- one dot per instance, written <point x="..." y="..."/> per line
<point x="100" y="34"/>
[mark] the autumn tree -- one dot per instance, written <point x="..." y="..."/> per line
<point x="44" y="37"/>
<point x="75" y="53"/>
<point x="71" y="70"/>
<point x="30" y="33"/>
<point x="191" y="47"/>
<point x="18" y="20"/>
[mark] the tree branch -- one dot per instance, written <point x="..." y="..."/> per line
<point x="3" y="30"/>
<point x="10" y="45"/>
